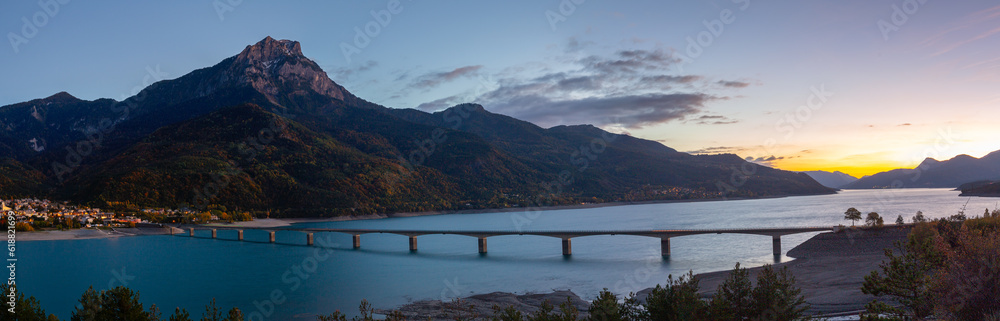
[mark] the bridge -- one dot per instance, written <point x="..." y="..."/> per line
<point x="566" y="236"/>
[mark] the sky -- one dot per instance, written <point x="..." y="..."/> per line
<point x="859" y="86"/>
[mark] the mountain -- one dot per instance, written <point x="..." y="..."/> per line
<point x="932" y="173"/>
<point x="980" y="188"/>
<point x="267" y="129"/>
<point x="831" y="179"/>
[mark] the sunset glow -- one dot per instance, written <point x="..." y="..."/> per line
<point x="728" y="76"/>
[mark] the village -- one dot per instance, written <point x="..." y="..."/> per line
<point x="33" y="214"/>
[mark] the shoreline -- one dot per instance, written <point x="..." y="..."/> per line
<point x="829" y="268"/>
<point x="93" y="233"/>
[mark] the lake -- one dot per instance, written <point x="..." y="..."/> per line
<point x="295" y="282"/>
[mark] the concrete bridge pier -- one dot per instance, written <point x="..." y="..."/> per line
<point x="567" y="246"/>
<point x="413" y="243"/>
<point x="191" y="232"/>
<point x="776" y="244"/>
<point x="665" y="247"/>
<point x="215" y="233"/>
<point x="357" y="241"/>
<point x="239" y="235"/>
<point x="482" y="245"/>
<point x="309" y="239"/>
<point x="271" y="236"/>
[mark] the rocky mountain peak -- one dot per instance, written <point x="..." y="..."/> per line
<point x="271" y="65"/>
<point x="270" y="49"/>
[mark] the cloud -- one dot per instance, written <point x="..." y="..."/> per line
<point x="630" y="111"/>
<point x="442" y="103"/>
<point x="733" y="84"/>
<point x="574" y="45"/>
<point x="628" y="89"/>
<point x="433" y="79"/>
<point x="345" y="73"/>
<point x="717" y="150"/>
<point x="715" y="120"/>
<point x="630" y="61"/>
<point x="904" y="124"/>
<point x="765" y="160"/>
<point x="667" y="79"/>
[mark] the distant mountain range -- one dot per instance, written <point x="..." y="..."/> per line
<point x="980" y="188"/>
<point x="932" y="173"/>
<point x="267" y="129"/>
<point x="831" y="179"/>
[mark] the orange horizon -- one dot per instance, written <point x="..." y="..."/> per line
<point x="858" y="171"/>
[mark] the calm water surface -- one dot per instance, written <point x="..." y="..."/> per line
<point x="174" y="271"/>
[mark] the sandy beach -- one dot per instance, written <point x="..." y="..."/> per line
<point x="91" y="233"/>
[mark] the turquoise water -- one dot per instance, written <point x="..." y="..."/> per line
<point x="295" y="282"/>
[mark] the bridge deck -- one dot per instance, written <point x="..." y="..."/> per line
<point x="665" y="233"/>
<point x="566" y="236"/>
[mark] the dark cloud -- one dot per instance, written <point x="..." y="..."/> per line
<point x="628" y="89"/>
<point x="733" y="84"/>
<point x="766" y="160"/>
<point x="715" y="120"/>
<point x="433" y="79"/>
<point x="632" y="111"/>
<point x="578" y="83"/>
<point x="630" y="62"/>
<point x="905" y="124"/>
<point x="664" y="79"/>
<point x="717" y="150"/>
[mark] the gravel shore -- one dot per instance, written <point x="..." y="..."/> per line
<point x="829" y="268"/>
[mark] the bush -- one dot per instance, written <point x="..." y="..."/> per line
<point x="968" y="284"/>
<point x="904" y="278"/>
<point x="733" y="300"/>
<point x="947" y="268"/>
<point x="776" y="297"/>
<point x="119" y="303"/>
<point x="678" y="300"/>
<point x="23" y="227"/>
<point x="874" y="220"/>
<point x="28" y="308"/>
